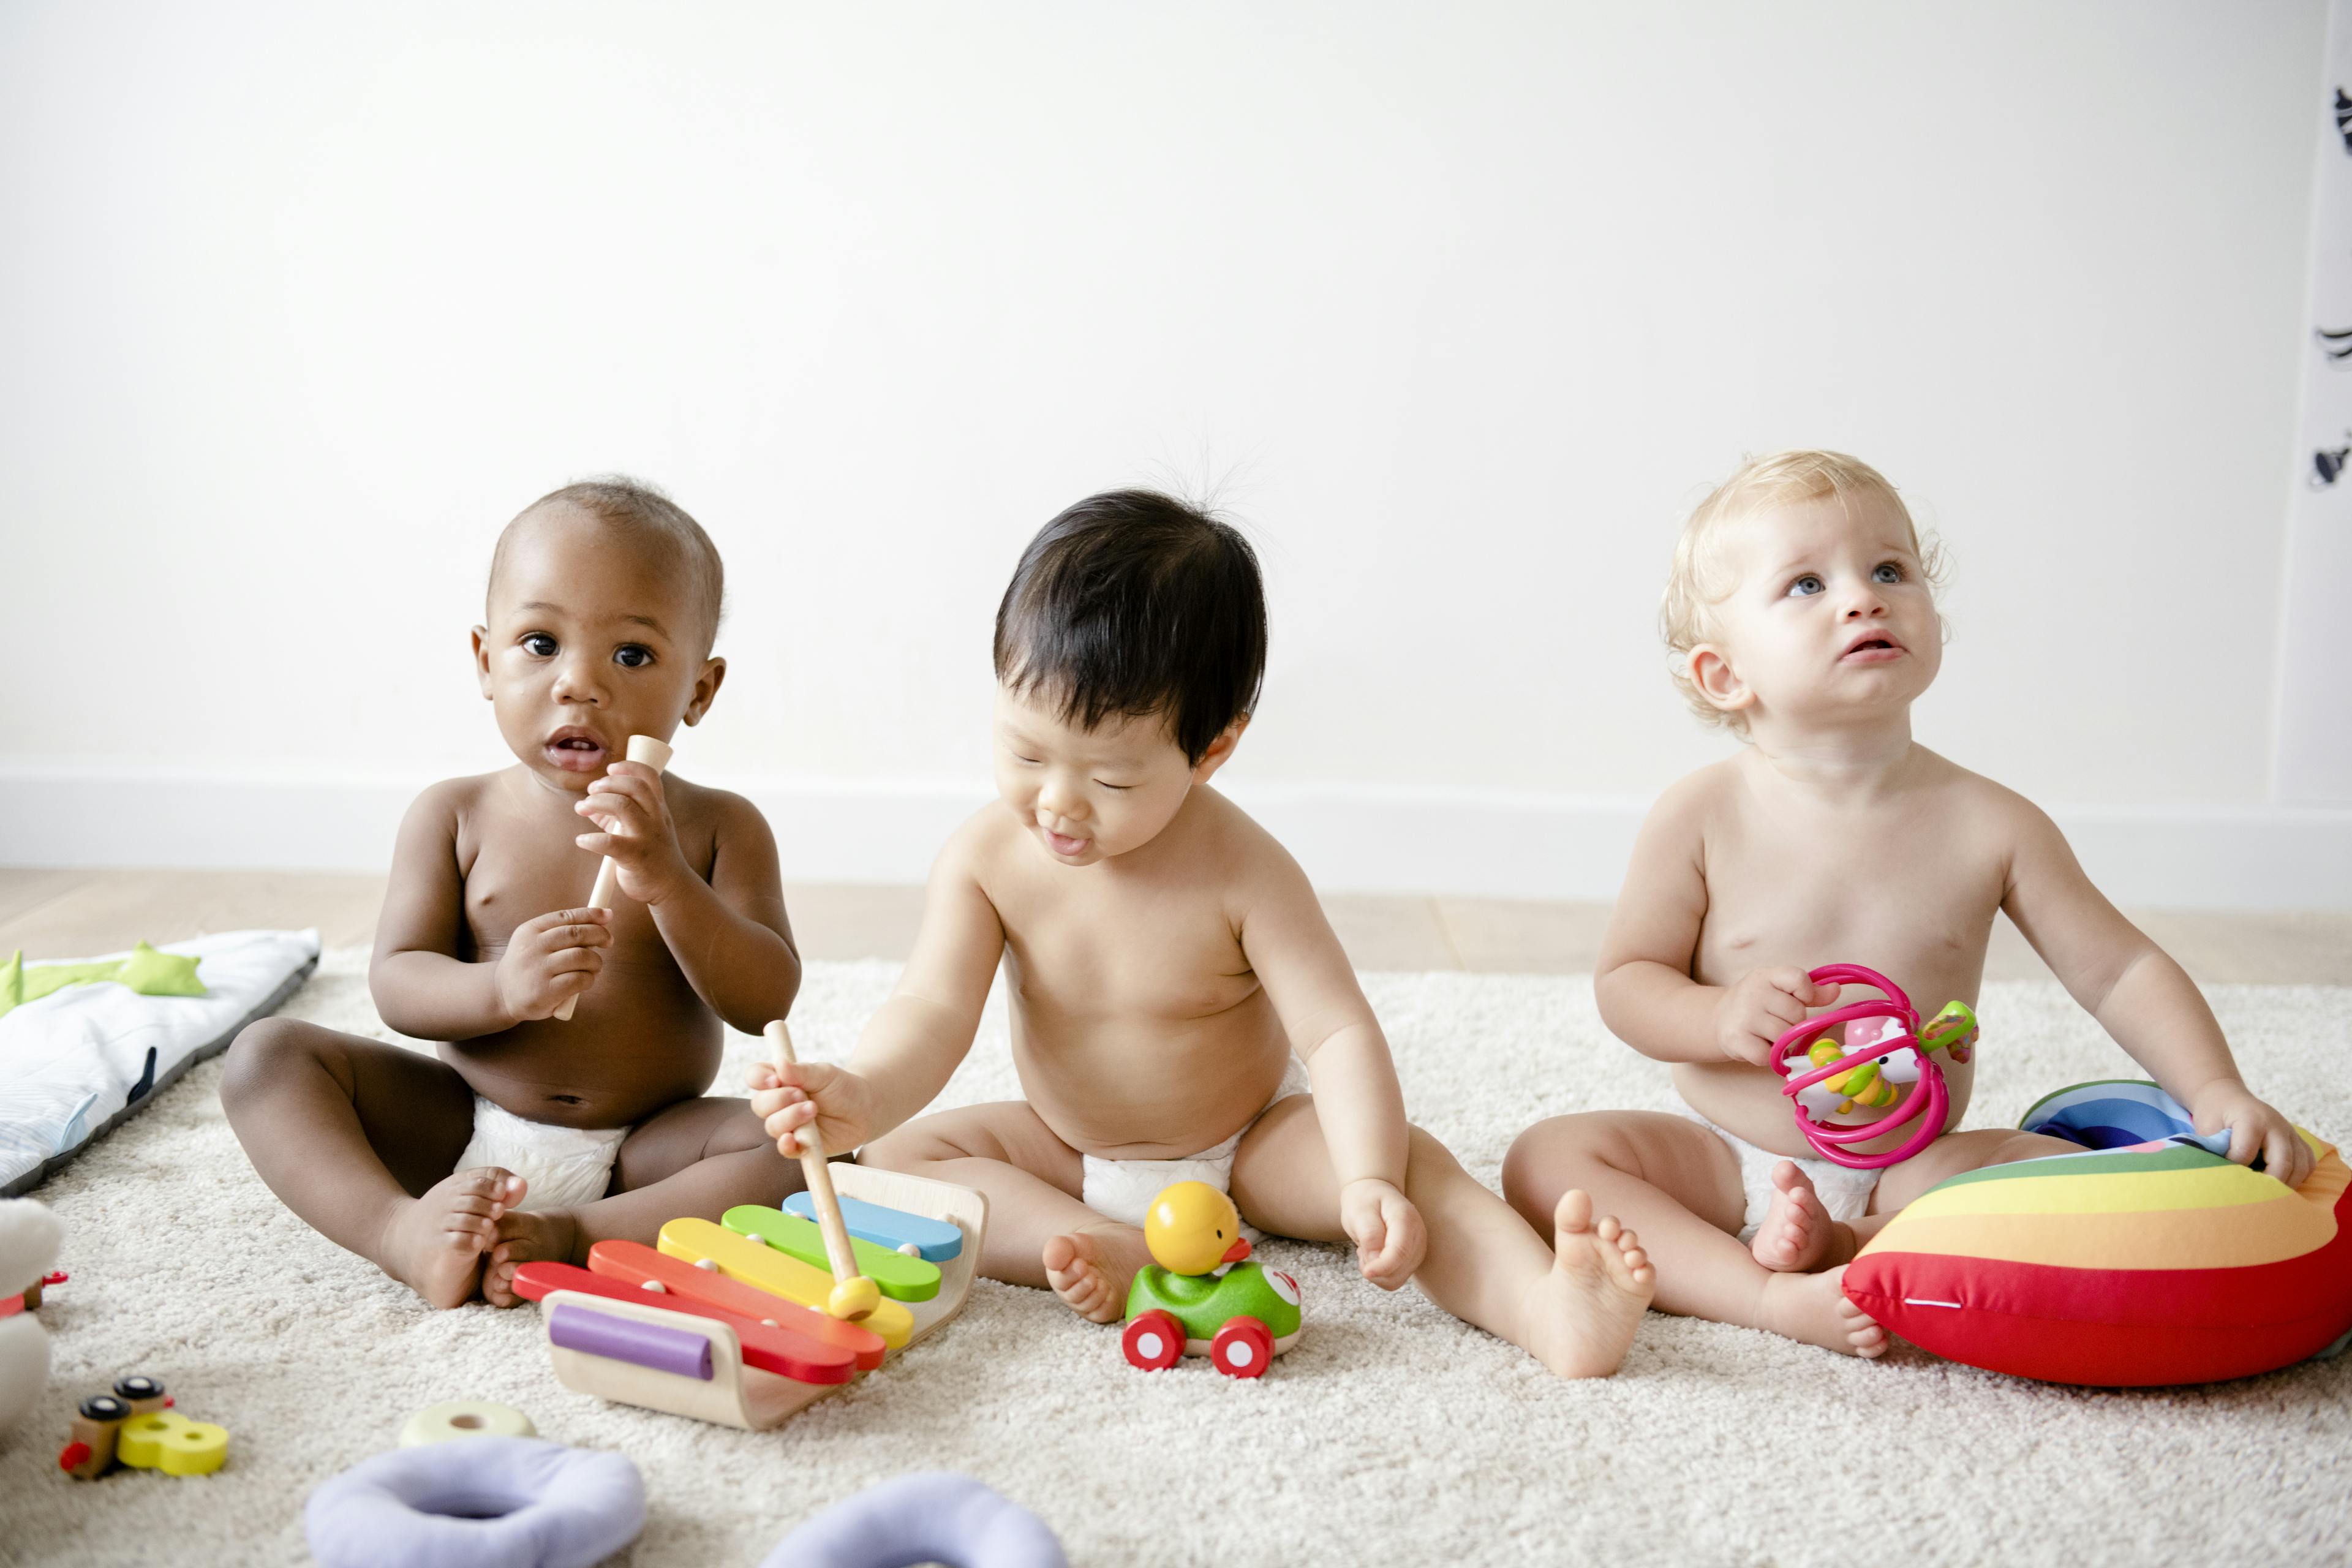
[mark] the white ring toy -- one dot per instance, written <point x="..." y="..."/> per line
<point x="464" y="1418"/>
<point x="492" y="1503"/>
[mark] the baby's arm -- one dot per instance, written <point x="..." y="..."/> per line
<point x="2139" y="995"/>
<point x="1358" y="1102"/>
<point x="913" y="1042"/>
<point x="1643" y="987"/>
<point x="422" y="987"/>
<point x="729" y="934"/>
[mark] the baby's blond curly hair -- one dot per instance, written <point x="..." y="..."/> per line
<point x="1686" y="611"/>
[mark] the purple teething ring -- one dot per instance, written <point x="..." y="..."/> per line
<point x="1830" y="1139"/>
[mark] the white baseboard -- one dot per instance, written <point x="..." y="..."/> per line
<point x="1349" y="839"/>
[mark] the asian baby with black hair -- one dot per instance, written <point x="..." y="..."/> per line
<point x="1181" y="1008"/>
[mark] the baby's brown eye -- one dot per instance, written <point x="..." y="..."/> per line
<point x="539" y="645"/>
<point x="633" y="656"/>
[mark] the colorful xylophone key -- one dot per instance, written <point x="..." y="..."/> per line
<point x="893" y="1230"/>
<point x="633" y="1263"/>
<point x="771" y="1349"/>
<point x="896" y="1276"/>
<point x="739" y="1258"/>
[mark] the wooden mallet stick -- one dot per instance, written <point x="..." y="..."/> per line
<point x="853" y="1295"/>
<point x="653" y="754"/>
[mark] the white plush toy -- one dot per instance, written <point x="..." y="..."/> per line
<point x="29" y="1238"/>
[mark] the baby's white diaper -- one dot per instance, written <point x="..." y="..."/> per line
<point x="1844" y="1194"/>
<point x="561" y="1167"/>
<point x="1123" y="1189"/>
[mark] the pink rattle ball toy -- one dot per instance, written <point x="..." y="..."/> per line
<point x="1858" y="1076"/>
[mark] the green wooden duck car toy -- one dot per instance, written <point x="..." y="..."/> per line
<point x="1204" y="1298"/>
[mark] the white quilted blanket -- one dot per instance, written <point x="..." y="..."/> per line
<point x="75" y="1062"/>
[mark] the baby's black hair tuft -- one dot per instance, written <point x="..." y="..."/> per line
<point x="1133" y="602"/>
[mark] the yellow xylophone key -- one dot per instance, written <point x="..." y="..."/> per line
<point x="755" y="1264"/>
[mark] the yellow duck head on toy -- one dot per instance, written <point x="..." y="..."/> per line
<point x="1191" y="1228"/>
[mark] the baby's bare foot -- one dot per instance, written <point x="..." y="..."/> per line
<point x="435" y="1244"/>
<point x="524" y="1236"/>
<point x="1582" y="1315"/>
<point x="1797" y="1233"/>
<point x="1091" y="1268"/>
<point x="1813" y="1308"/>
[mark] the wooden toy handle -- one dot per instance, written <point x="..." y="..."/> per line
<point x="655" y="754"/>
<point x="817" y="1172"/>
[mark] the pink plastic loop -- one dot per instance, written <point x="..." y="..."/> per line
<point x="1931" y="1100"/>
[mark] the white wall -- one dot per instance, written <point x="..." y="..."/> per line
<point x="1461" y="304"/>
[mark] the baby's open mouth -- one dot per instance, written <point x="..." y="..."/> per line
<point x="575" y="750"/>
<point x="1871" y="650"/>
<point x="1062" y="844"/>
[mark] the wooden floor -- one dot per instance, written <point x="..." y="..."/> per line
<point x="76" y="914"/>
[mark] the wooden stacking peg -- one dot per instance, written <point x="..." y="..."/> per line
<point x="656" y="755"/>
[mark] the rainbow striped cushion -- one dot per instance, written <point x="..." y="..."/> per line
<point x="2148" y="1259"/>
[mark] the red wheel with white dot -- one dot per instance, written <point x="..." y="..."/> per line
<point x="1152" y="1341"/>
<point x="1243" y="1348"/>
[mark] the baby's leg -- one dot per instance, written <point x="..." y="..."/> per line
<point x="1574" y="1305"/>
<point x="698" y="1158"/>
<point x="1039" y="1232"/>
<point x="1798" y="1234"/>
<point x="358" y="1136"/>
<point x="1678" y="1183"/>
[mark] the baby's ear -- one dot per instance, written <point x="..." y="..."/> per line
<point x="1220" y="751"/>
<point x="706" y="688"/>
<point x="482" y="657"/>
<point x="1717" y="681"/>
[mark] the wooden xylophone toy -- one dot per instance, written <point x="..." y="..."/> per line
<point x="728" y="1323"/>
<point x="749" y="1321"/>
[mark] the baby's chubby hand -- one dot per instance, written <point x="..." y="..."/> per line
<point x="550" y="960"/>
<point x="1390" y="1237"/>
<point x="1762" y="1005"/>
<point x="788" y="1099"/>
<point x="627" y="804"/>
<point x="2254" y="1128"/>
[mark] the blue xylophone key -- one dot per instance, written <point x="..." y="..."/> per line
<point x="934" y="1239"/>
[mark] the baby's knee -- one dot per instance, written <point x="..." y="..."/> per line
<point x="262" y="1051"/>
<point x="1542" y="1161"/>
<point x="929" y="1141"/>
<point x="906" y="1151"/>
<point x="2015" y="1146"/>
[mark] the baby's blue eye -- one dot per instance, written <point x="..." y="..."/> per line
<point x="539" y="645"/>
<point x="1887" y="572"/>
<point x="1806" y="586"/>
<point x="633" y="656"/>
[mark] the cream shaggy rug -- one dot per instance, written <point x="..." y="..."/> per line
<point x="1392" y="1435"/>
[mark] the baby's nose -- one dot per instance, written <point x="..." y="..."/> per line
<point x="576" y="681"/>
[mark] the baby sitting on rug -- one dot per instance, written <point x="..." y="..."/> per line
<point x="531" y="1138"/>
<point x="1803" y="614"/>
<point x="1175" y="989"/>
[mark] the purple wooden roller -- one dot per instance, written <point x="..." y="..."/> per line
<point x="624" y="1339"/>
